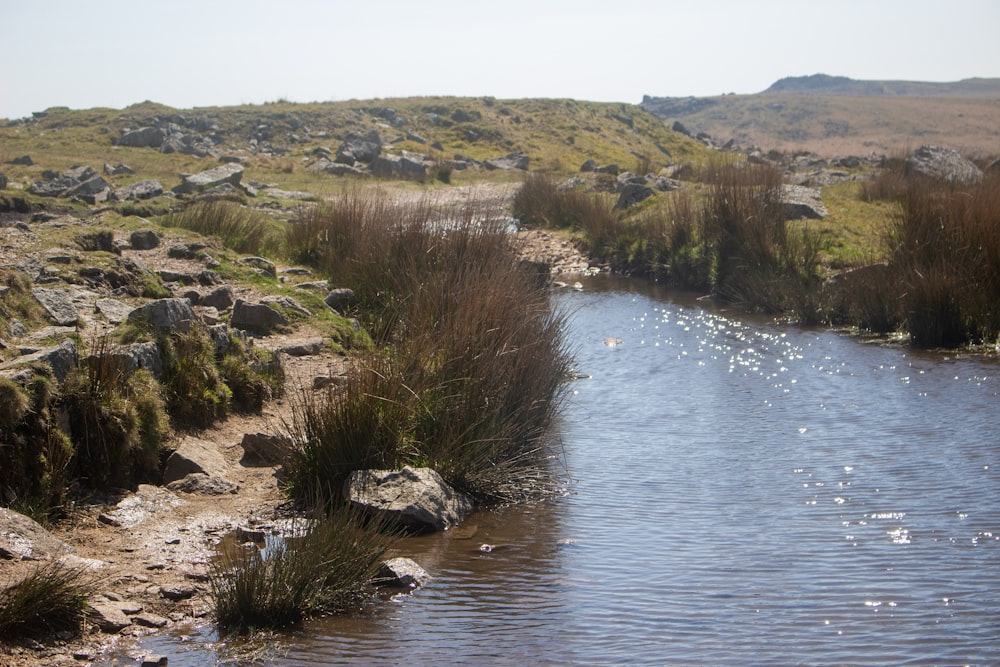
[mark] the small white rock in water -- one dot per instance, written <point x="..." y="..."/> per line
<point x="578" y="287"/>
<point x="613" y="342"/>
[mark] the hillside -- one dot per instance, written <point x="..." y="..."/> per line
<point x="838" y="116"/>
<point x="278" y="141"/>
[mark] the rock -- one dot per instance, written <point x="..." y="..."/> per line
<point x="58" y="304"/>
<point x="24" y="161"/>
<point x="61" y="358"/>
<point x="262" y="264"/>
<point x="265" y="448"/>
<point x="416" y="499"/>
<point x="194" y="455"/>
<point x="509" y="162"/>
<point x="802" y="202"/>
<point x="177" y="593"/>
<point x="335" y="168"/>
<point x="220" y="298"/>
<point x="943" y="164"/>
<point x="256" y="317"/>
<point x="314" y="286"/>
<point x="200" y="483"/>
<point x="340" y="299"/>
<point x="140" y="506"/>
<point x="117" y="170"/>
<point x="114" y="310"/>
<point x="401" y="573"/>
<point x="171" y="314"/>
<point x="144" y="239"/>
<point x="3" y="181"/>
<point x="150" y="620"/>
<point x="92" y="190"/>
<point x="589" y="165"/>
<point x="154" y="660"/>
<point x="23" y="538"/>
<point x="359" y="148"/>
<point x="287" y="303"/>
<point x="142" y="190"/>
<point x="144" y="137"/>
<point x="134" y="356"/>
<point x="408" y="165"/>
<point x="107" y="616"/>
<point x="229" y="174"/>
<point x="302" y="348"/>
<point x="633" y="193"/>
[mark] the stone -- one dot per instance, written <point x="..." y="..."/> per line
<point x="92" y="190"/>
<point x="589" y="165"/>
<point x="631" y="194"/>
<point x="134" y="356"/>
<point x="172" y="314"/>
<point x="108" y="617"/>
<point x="401" y="573"/>
<point x="139" y="507"/>
<point x="194" y="455"/>
<point x="200" y="483"/>
<point x="287" y="303"/>
<point x="154" y="660"/>
<point x="265" y="448"/>
<point x="410" y="166"/>
<point x="3" y="181"/>
<point x="23" y="538"/>
<point x="229" y="174"/>
<point x="307" y="347"/>
<point x="177" y="593"/>
<point x="256" y="317"/>
<point x="415" y="499"/>
<point x="220" y="298"/>
<point x="314" y="286"/>
<point x="509" y="162"/>
<point x="146" y="189"/>
<point x="943" y="164"/>
<point x="58" y="304"/>
<point x="340" y="299"/>
<point x="24" y="161"/>
<point x="144" y="239"/>
<point x="359" y="148"/>
<point x="113" y="310"/>
<point x="262" y="264"/>
<point x="117" y="169"/>
<point x="62" y="359"/>
<point x="148" y="619"/>
<point x="802" y="202"/>
<point x="144" y="137"/>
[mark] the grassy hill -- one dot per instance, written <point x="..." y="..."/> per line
<point x="840" y="116"/>
<point x="278" y="140"/>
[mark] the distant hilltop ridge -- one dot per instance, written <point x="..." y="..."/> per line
<point x="824" y="84"/>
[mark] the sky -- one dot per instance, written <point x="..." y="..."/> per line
<point x="197" y="53"/>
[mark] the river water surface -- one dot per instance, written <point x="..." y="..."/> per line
<point x="740" y="494"/>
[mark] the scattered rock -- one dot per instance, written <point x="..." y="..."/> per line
<point x="359" y="148"/>
<point x="177" y="593"/>
<point x="509" y="162"/>
<point x="58" y="303"/>
<point x="401" y="573"/>
<point x="416" y="499"/>
<point x="200" y="483"/>
<point x="256" y="317"/>
<point x="265" y="449"/>
<point x="287" y="303"/>
<point x="23" y="538"/>
<point x="802" y="202"/>
<point x="114" y="310"/>
<point x="108" y="617"/>
<point x="142" y="190"/>
<point x="943" y="164"/>
<point x="229" y="173"/>
<point x="220" y="298"/>
<point x="631" y="194"/>
<point x="154" y="660"/>
<point x="262" y="264"/>
<point x="144" y="239"/>
<point x="140" y="506"/>
<point x="150" y="620"/>
<point x="194" y="455"/>
<point x="302" y="348"/>
<point x="144" y="137"/>
<point x="61" y="358"/>
<point x="117" y="169"/>
<point x="341" y="299"/>
<point x="171" y="314"/>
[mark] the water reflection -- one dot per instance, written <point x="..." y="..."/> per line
<point x="742" y="494"/>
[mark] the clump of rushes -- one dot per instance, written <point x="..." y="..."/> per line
<point x="193" y="387"/>
<point x="325" y="570"/>
<point x="242" y="229"/>
<point x="471" y="360"/>
<point x="254" y="376"/>
<point x="118" y="420"/>
<point x="52" y="598"/>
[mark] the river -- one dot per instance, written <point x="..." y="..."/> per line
<point x="740" y="493"/>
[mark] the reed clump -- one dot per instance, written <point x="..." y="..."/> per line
<point x="240" y="228"/>
<point x="470" y="359"/>
<point x="51" y="598"/>
<point x="327" y="569"/>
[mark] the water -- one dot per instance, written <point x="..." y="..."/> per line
<point x="742" y="494"/>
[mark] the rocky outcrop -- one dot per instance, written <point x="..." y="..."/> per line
<point x="164" y="314"/>
<point x="23" y="538"/>
<point x="943" y="164"/>
<point x="143" y="137"/>
<point x="415" y="499"/>
<point x="81" y="182"/>
<point x="408" y="165"/>
<point x="58" y="304"/>
<point x="359" y="148"/>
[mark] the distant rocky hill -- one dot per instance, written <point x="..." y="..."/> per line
<point x="824" y="84"/>
<point x="835" y="115"/>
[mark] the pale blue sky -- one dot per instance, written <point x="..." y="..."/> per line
<point x="188" y="53"/>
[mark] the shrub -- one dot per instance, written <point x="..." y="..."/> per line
<point x="325" y="570"/>
<point x="52" y="598"/>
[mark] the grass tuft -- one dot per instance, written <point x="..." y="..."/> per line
<point x="52" y="598"/>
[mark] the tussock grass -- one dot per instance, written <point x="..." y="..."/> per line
<point x="326" y="570"/>
<point x="470" y="360"/>
<point x="241" y="229"/>
<point x="51" y="598"/>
